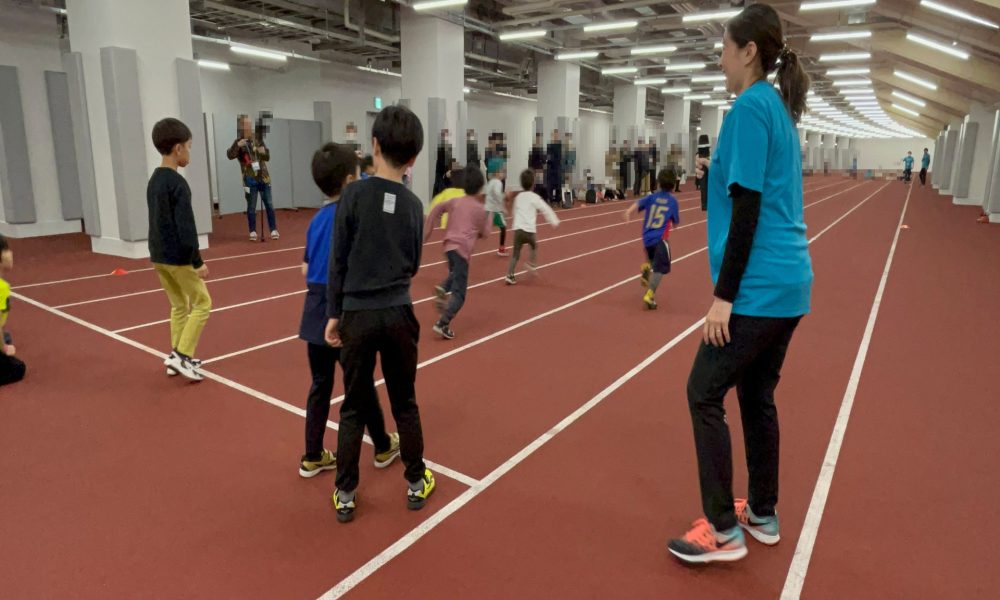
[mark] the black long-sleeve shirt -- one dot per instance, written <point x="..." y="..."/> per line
<point x="173" y="236"/>
<point x="377" y="244"/>
<point x="742" y="227"/>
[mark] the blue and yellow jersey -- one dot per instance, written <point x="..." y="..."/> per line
<point x="661" y="211"/>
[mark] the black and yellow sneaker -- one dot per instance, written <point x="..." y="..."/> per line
<point x="644" y="272"/>
<point x="650" y="299"/>
<point x="416" y="498"/>
<point x="344" y="506"/>
<point x="312" y="468"/>
<point x="384" y="459"/>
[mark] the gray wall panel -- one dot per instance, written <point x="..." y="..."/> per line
<point x="306" y="138"/>
<point x="948" y="158"/>
<point x="278" y="141"/>
<point x="323" y="112"/>
<point x="87" y="180"/>
<point x="196" y="173"/>
<point x="963" y="163"/>
<point x="15" y="168"/>
<point x="230" y="181"/>
<point x="120" y="72"/>
<point x="67" y="174"/>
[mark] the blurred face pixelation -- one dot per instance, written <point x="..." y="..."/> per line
<point x="735" y="62"/>
<point x="182" y="153"/>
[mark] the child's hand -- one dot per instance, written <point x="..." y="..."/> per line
<point x="626" y="216"/>
<point x="7" y="259"/>
<point x="9" y="350"/>
<point x="202" y="271"/>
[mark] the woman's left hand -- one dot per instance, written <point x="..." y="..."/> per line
<point x="716" y="330"/>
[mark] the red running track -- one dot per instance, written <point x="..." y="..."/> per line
<point x="115" y="489"/>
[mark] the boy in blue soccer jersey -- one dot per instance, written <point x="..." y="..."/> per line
<point x="661" y="211"/>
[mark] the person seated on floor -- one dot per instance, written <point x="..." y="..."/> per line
<point x="12" y="369"/>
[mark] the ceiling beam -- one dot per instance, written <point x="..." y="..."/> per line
<point x="978" y="71"/>
<point x="954" y="103"/>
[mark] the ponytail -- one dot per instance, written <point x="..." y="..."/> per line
<point x="793" y="83"/>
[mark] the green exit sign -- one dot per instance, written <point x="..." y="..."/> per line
<point x="378" y="103"/>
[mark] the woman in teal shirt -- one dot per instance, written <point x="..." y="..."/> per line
<point x="760" y="265"/>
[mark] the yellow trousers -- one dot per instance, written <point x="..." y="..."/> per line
<point x="190" y="305"/>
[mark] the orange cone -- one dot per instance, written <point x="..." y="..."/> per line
<point x="119" y="271"/>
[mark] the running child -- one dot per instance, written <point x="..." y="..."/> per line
<point x="173" y="248"/>
<point x="334" y="166"/>
<point x="376" y="248"/>
<point x="467" y="223"/>
<point x="11" y="368"/>
<point x="495" y="205"/>
<point x="526" y="207"/>
<point x="661" y="211"/>
<point x="907" y="166"/>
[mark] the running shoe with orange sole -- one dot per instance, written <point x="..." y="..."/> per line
<point x="703" y="544"/>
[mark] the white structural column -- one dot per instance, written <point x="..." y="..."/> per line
<point x="991" y="202"/>
<point x="558" y="95"/>
<point x="841" y="153"/>
<point x="559" y="102"/>
<point x="629" y="112"/>
<point x="815" y="151"/>
<point x="137" y="69"/>
<point x="937" y="164"/>
<point x="676" y="133"/>
<point x="977" y="156"/>
<point x="950" y="156"/>
<point x="829" y="152"/>
<point x="711" y="123"/>
<point x="432" y="52"/>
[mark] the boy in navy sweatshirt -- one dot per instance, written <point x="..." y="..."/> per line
<point x="334" y="166"/>
<point x="377" y="243"/>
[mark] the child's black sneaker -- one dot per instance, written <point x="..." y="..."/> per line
<point x="444" y="331"/>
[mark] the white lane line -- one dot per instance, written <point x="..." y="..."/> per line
<point x="299" y="265"/>
<point x="465" y="479"/>
<point x="449" y="509"/>
<point x="501" y="278"/>
<point x="411" y="537"/>
<point x="216" y="309"/>
<point x="810" y="528"/>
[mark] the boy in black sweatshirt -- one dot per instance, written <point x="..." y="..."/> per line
<point x="173" y="247"/>
<point x="377" y="242"/>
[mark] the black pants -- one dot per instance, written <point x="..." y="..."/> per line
<point x="906" y="174"/>
<point x="456" y="283"/>
<point x="390" y="334"/>
<point x="640" y="178"/>
<point x="12" y="369"/>
<point x="751" y="362"/>
<point x="923" y="176"/>
<point x="322" y="364"/>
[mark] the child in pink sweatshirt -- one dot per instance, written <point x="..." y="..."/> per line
<point x="466" y="222"/>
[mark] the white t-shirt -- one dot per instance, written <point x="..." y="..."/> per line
<point x="494" y="196"/>
<point x="527" y="205"/>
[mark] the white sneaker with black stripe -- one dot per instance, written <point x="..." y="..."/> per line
<point x="182" y="365"/>
<point x="171" y="372"/>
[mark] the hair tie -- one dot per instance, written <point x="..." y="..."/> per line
<point x="785" y="53"/>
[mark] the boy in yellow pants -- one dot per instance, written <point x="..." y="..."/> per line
<point x="173" y="248"/>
